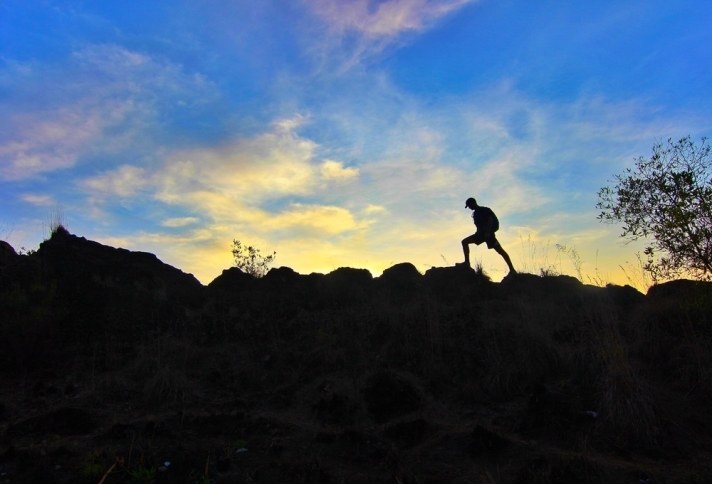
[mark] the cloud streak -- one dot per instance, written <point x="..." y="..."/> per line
<point x="41" y="142"/>
<point x="98" y="104"/>
<point x="376" y="20"/>
<point x="124" y="182"/>
<point x="248" y="171"/>
<point x="357" y="30"/>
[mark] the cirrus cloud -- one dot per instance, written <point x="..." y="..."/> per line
<point x="97" y="103"/>
<point x="358" y="29"/>
<point x="379" y="19"/>
<point x="123" y="182"/>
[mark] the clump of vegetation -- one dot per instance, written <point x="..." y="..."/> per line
<point x="667" y="199"/>
<point x="250" y="260"/>
<point x="93" y="465"/>
<point x="55" y="221"/>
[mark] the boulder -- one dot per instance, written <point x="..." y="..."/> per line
<point x="458" y="283"/>
<point x="682" y="289"/>
<point x="346" y="285"/>
<point x="400" y="283"/>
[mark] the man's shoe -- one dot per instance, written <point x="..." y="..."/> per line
<point x="510" y="276"/>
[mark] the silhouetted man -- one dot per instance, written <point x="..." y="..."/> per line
<point x="487" y="224"/>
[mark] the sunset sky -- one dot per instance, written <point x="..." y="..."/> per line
<point x="341" y="132"/>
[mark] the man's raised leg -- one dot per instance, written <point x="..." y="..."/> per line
<point x="472" y="239"/>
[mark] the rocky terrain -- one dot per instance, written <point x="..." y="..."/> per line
<point x="117" y="368"/>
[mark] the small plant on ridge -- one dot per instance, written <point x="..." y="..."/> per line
<point x="249" y="259"/>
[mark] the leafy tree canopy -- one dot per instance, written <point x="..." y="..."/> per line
<point x="667" y="200"/>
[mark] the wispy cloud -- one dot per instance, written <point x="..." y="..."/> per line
<point x="358" y="29"/>
<point x="179" y="222"/>
<point x="40" y="142"/>
<point x="300" y="220"/>
<point x="382" y="19"/>
<point x="246" y="172"/>
<point x="123" y="182"/>
<point x="98" y="102"/>
<point x="39" y="200"/>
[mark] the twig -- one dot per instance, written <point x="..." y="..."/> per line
<point x="119" y="461"/>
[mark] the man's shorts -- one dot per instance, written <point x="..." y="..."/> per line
<point x="479" y="237"/>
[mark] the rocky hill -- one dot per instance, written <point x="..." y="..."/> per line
<point x="116" y="366"/>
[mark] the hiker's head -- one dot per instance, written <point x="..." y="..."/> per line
<point x="470" y="203"/>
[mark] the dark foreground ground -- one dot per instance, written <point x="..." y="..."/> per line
<point x="113" y="361"/>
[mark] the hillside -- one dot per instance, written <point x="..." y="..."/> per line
<point x="112" y="358"/>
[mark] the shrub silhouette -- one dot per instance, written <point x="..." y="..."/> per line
<point x="250" y="260"/>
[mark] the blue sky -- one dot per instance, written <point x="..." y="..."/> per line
<point x="341" y="133"/>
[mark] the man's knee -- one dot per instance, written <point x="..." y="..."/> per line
<point x="472" y="239"/>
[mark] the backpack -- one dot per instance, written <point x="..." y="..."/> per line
<point x="495" y="221"/>
<point x="490" y="214"/>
